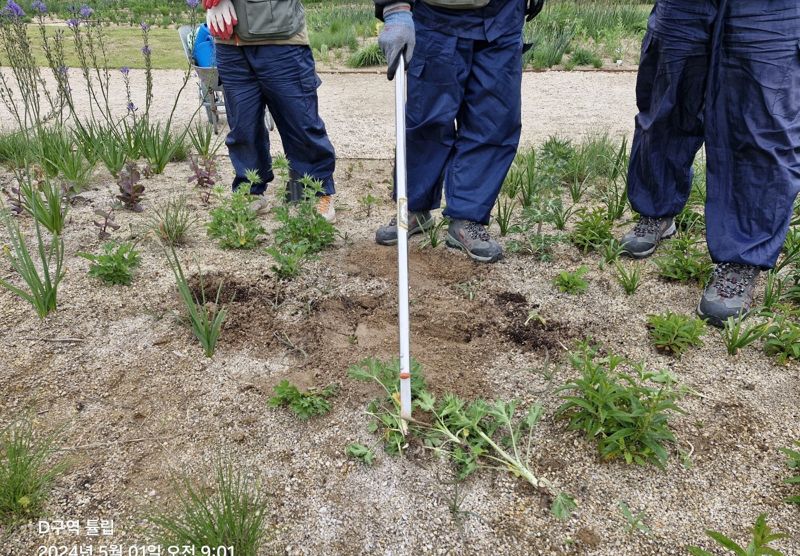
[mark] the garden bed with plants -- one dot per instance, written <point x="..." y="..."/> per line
<point x="206" y="376"/>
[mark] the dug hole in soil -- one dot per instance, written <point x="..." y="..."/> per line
<point x="139" y="405"/>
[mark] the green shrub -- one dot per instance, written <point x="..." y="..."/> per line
<point x="172" y="220"/>
<point x="115" y="264"/>
<point x="738" y="336"/>
<point x="628" y="278"/>
<point x="675" y="333"/>
<point x="234" y="224"/>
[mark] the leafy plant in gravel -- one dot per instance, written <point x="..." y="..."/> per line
<point x="539" y="245"/>
<point x="592" y="230"/>
<point x="107" y="223"/>
<point x="229" y="512"/>
<point x="505" y="211"/>
<point x="205" y="318"/>
<point x="43" y="276"/>
<point x="289" y="259"/>
<point x="45" y="201"/>
<point x="683" y="261"/>
<point x="615" y="194"/>
<point x="432" y="237"/>
<point x="172" y="220"/>
<point x="234" y="224"/>
<point x="364" y="454"/>
<point x="204" y="176"/>
<point x="306" y="404"/>
<point x="675" y="333"/>
<point x="626" y="414"/>
<point x="202" y="137"/>
<point x="27" y="472"/>
<point x="160" y="146"/>
<point x="301" y="223"/>
<point x="774" y="289"/>
<point x="572" y="282"/>
<point x="635" y="521"/>
<point x="629" y="278"/>
<point x="736" y="335"/>
<point x="115" y="264"/>
<point x="131" y="190"/>
<point x="690" y="221"/>
<point x="782" y="339"/>
<point x="760" y="545"/>
<point x="794" y="465"/>
<point x="366" y="56"/>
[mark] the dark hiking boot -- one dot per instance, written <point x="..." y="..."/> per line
<point x="729" y="293"/>
<point x="418" y="222"/>
<point x="475" y="240"/>
<point x="646" y="235"/>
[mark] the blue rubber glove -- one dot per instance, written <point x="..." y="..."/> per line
<point x="397" y="37"/>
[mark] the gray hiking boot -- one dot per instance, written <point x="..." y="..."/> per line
<point x="646" y="235"/>
<point x="259" y="204"/>
<point x="418" y="222"/>
<point x="475" y="240"/>
<point x="729" y="293"/>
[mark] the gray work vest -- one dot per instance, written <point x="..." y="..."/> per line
<point x="268" y="19"/>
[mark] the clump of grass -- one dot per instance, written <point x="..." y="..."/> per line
<point x="230" y="512"/>
<point x="303" y="404"/>
<point x="205" y="318"/>
<point x="761" y="543"/>
<point x="675" y="333"/>
<point x="738" y="336"/>
<point x="683" y="261"/>
<point x="585" y="57"/>
<point x="572" y="282"/>
<point x="115" y="264"/>
<point x="592" y="230"/>
<point x="629" y="278"/>
<point x="626" y="414"/>
<point x="172" y="220"/>
<point x="367" y="56"/>
<point x="27" y="472"/>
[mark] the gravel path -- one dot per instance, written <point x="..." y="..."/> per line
<point x="358" y="109"/>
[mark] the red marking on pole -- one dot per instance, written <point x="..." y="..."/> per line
<point x="404" y="376"/>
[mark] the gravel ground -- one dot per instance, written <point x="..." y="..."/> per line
<point x="140" y="405"/>
<point x="358" y="108"/>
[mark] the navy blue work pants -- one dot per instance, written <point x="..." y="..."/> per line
<point x="283" y="78"/>
<point x="463" y="121"/>
<point x="727" y="73"/>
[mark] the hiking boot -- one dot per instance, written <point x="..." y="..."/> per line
<point x="325" y="208"/>
<point x="646" y="235"/>
<point x="259" y="204"/>
<point x="418" y="222"/>
<point x="729" y="293"/>
<point x="475" y="240"/>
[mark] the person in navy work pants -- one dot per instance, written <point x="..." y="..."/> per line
<point x="725" y="73"/>
<point x="463" y="114"/>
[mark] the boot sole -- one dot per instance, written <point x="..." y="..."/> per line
<point x="671" y="231"/>
<point x="453" y="243"/>
<point x="415" y="231"/>
<point x="712" y="320"/>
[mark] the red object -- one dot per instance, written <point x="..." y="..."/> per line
<point x="208" y="4"/>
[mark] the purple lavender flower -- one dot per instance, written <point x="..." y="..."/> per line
<point x="132" y="107"/>
<point x="85" y="12"/>
<point x="125" y="70"/>
<point x="73" y="23"/>
<point x="192" y="3"/>
<point x="13" y="9"/>
<point x="145" y="27"/>
<point x="39" y="6"/>
<point x="146" y="50"/>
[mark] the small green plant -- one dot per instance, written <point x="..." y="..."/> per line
<point x="205" y="318"/>
<point x="115" y="264"/>
<point x="42" y="285"/>
<point x="675" y="333"/>
<point x="629" y="278"/>
<point x="469" y="289"/>
<point x="367" y="56"/>
<point x="172" y="220"/>
<point x="160" y="147"/>
<point x="27" y="472"/>
<point x="505" y="211"/>
<point x="738" y="336"/>
<point x="560" y="215"/>
<point x="782" y="339"/>
<point x="234" y="224"/>
<point x="301" y="223"/>
<point x="773" y="289"/>
<point x="794" y="465"/>
<point x="759" y="546"/>
<point x="362" y="453"/>
<point x="592" y="230"/>
<point x="304" y="404"/>
<point x="627" y="414"/>
<point x="367" y="202"/>
<point x="202" y="137"/>
<point x="433" y="234"/>
<point x="229" y="512"/>
<point x="610" y="251"/>
<point x="683" y="261"/>
<point x="45" y="201"/>
<point x="289" y="259"/>
<point x="635" y="521"/>
<point x="539" y="245"/>
<point x="572" y="282"/>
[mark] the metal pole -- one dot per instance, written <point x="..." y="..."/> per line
<point x="402" y="239"/>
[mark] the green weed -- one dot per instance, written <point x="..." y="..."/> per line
<point x="234" y="224"/>
<point x="794" y="465"/>
<point x="635" y="521"/>
<point x="683" y="261"/>
<point x="362" y="453"/>
<point x="782" y="339"/>
<point x="758" y="546"/>
<point x="629" y="278"/>
<point x="172" y="220"/>
<point x="115" y="264"/>
<point x="306" y="404"/>
<point x="675" y="333"/>
<point x="572" y="282"/>
<point x="505" y="211"/>
<point x="592" y="230"/>
<point x="367" y="56"/>
<point x="738" y="336"/>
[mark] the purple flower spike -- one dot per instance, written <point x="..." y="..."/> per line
<point x="13" y="9"/>
<point x="125" y="70"/>
<point x="85" y="12"/>
<point x="39" y="6"/>
<point x="146" y="50"/>
<point x="73" y="23"/>
<point x="192" y="3"/>
<point x="144" y="26"/>
<point x="132" y="107"/>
